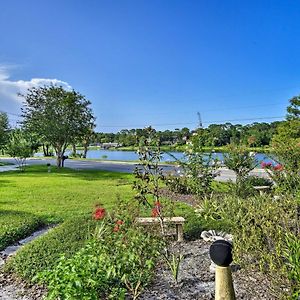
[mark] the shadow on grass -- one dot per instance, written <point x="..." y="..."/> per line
<point x="5" y="183"/>
<point x="89" y="175"/>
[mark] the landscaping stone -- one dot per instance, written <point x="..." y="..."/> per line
<point x="10" y="250"/>
<point x="34" y="235"/>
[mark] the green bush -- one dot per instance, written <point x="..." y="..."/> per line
<point x="177" y="184"/>
<point x="45" y="251"/>
<point x="292" y="255"/>
<point x="258" y="181"/>
<point x="15" y="225"/>
<point x="260" y="227"/>
<point x="111" y="265"/>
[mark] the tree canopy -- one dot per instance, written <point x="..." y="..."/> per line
<point x="4" y="129"/>
<point x="57" y="116"/>
<point x="293" y="110"/>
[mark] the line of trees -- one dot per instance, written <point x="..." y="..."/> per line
<point x="215" y="135"/>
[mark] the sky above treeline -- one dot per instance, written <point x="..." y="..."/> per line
<point x="155" y="62"/>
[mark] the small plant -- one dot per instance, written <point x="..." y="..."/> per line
<point x="149" y="175"/>
<point x="197" y="171"/>
<point x="242" y="162"/>
<point x="173" y="261"/>
<point x="116" y="261"/>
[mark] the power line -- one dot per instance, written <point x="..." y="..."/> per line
<point x="195" y="123"/>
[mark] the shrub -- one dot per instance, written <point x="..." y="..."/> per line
<point x="292" y="255"/>
<point x="260" y="226"/>
<point x="241" y="161"/>
<point x="45" y="251"/>
<point x="177" y="184"/>
<point x="112" y="264"/>
<point x="258" y="181"/>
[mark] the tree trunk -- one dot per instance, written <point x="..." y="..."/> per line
<point x="46" y="150"/>
<point x="59" y="154"/>
<point x="85" y="149"/>
<point x="74" y="150"/>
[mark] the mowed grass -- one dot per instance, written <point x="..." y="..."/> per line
<point x="31" y="199"/>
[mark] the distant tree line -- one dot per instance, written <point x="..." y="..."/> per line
<point x="215" y="135"/>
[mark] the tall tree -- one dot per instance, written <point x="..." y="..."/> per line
<point x="293" y="110"/>
<point x="57" y="116"/>
<point x="4" y="130"/>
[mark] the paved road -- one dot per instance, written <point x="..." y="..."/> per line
<point x="123" y="167"/>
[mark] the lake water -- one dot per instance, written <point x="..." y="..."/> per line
<point x="132" y="155"/>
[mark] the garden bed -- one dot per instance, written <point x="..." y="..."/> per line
<point x="195" y="280"/>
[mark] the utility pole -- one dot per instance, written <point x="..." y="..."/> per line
<point x="200" y="125"/>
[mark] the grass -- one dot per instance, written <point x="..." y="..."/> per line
<point x="61" y="194"/>
<point x="35" y="197"/>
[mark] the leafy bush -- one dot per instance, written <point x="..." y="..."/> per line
<point x="260" y="226"/>
<point x="286" y="151"/>
<point x="241" y="161"/>
<point x="258" y="181"/>
<point x="45" y="251"/>
<point x="292" y="255"/>
<point x="177" y="184"/>
<point x="112" y="264"/>
<point x="15" y="225"/>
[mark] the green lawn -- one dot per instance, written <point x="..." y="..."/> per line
<point x="33" y="198"/>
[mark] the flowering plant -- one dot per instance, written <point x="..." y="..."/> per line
<point x="99" y="213"/>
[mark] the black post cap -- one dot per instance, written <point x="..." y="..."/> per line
<point x="220" y="253"/>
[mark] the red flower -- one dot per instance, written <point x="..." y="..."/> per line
<point x="157" y="204"/>
<point x="155" y="212"/>
<point x="266" y="164"/>
<point x="116" y="228"/>
<point x="278" y="167"/>
<point x="119" y="222"/>
<point x="99" y="213"/>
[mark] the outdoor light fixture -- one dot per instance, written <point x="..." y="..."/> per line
<point x="220" y="253"/>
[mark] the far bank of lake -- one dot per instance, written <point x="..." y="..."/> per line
<point x="119" y="155"/>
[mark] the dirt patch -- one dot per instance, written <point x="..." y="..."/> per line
<point x="12" y="288"/>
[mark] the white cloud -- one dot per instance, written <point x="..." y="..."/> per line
<point x="9" y="89"/>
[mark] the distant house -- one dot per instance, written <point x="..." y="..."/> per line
<point x="110" y="145"/>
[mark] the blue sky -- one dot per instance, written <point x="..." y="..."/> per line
<point x="155" y="62"/>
